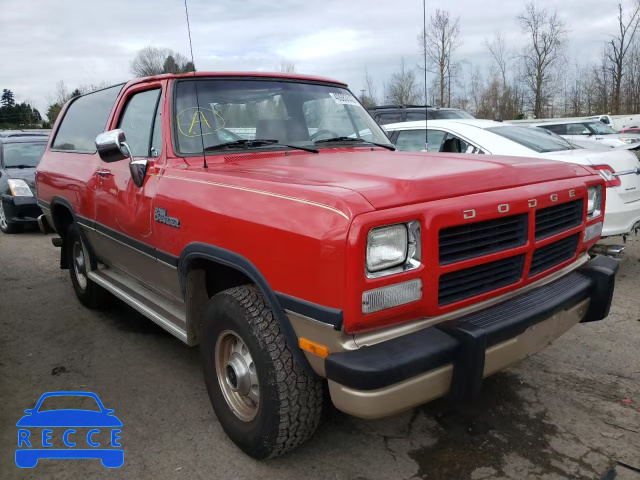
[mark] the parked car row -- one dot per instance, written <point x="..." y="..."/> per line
<point x="583" y="142"/>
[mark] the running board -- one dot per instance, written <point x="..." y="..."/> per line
<point x="166" y="314"/>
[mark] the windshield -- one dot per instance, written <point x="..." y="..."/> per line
<point x="22" y="154"/>
<point x="293" y="113"/>
<point x="66" y="402"/>
<point x="449" y="114"/>
<point x="538" y="140"/>
<point x="600" y="128"/>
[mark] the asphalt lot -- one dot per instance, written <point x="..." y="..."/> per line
<point x="564" y="413"/>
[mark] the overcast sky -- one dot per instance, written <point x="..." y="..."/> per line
<point x="86" y="41"/>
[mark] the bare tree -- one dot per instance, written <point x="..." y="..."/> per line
<point x="619" y="47"/>
<point x="439" y="41"/>
<point x="287" y="67"/>
<point x="547" y="36"/>
<point x="402" y="88"/>
<point x="498" y="50"/>
<point x="368" y="95"/>
<point x="154" y="61"/>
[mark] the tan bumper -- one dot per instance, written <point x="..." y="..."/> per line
<point x="436" y="383"/>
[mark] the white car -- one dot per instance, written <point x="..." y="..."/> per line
<point x="619" y="122"/>
<point x="591" y="131"/>
<point x="620" y="168"/>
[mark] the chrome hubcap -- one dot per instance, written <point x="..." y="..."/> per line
<point x="3" y="219"/>
<point x="237" y="375"/>
<point x="79" y="266"/>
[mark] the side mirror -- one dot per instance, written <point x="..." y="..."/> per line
<point x="112" y="146"/>
<point x="29" y="410"/>
<point x="138" y="169"/>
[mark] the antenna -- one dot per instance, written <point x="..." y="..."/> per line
<point x="195" y="83"/>
<point x="426" y="107"/>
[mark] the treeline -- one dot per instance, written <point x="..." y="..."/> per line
<point x="17" y="115"/>
<point x="536" y="80"/>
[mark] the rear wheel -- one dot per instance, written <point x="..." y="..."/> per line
<point x="5" y="226"/>
<point x="88" y="292"/>
<point x="263" y="398"/>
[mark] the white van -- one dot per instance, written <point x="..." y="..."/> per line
<point x="618" y="122"/>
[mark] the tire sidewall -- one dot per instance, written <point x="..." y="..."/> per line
<point x="258" y="436"/>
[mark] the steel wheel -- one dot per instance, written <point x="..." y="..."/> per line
<point x="237" y="376"/>
<point x="79" y="265"/>
<point x="3" y="219"/>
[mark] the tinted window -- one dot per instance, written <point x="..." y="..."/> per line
<point x="86" y="117"/>
<point x="139" y="121"/>
<point x="577" y="129"/>
<point x="415" y="116"/>
<point x="454" y="144"/>
<point x="413" y="140"/>
<point x="386" y="118"/>
<point x="557" y="129"/>
<point x="537" y="139"/>
<point x="22" y="154"/>
<point x="449" y="114"/>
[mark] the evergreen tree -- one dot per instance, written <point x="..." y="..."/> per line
<point x="7" y="98"/>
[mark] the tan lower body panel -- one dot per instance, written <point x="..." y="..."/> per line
<point x="436" y="383"/>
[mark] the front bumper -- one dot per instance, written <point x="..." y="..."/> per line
<point x="20" y="209"/>
<point x="453" y="357"/>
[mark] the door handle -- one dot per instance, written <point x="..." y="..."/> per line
<point x="104" y="173"/>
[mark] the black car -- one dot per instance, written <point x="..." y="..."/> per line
<point x="19" y="157"/>
<point x="386" y="114"/>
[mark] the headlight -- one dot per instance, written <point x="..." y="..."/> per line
<point x="393" y="249"/>
<point x="594" y="201"/>
<point x="19" y="188"/>
<point x="630" y="139"/>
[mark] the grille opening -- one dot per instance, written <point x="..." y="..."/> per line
<point x="482" y="238"/>
<point x="466" y="283"/>
<point x="559" y="218"/>
<point x="554" y="254"/>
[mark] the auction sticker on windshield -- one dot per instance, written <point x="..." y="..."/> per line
<point x="69" y="425"/>
<point x="343" y="98"/>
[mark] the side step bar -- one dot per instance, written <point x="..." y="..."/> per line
<point x="166" y="314"/>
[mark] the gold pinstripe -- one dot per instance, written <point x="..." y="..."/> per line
<point x="261" y="192"/>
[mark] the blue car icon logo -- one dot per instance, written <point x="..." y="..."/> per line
<point x="88" y="431"/>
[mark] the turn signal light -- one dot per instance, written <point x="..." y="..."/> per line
<point x="313" y="347"/>
<point x="609" y="175"/>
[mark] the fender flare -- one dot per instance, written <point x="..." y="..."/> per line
<point x="205" y="251"/>
<point x="78" y="220"/>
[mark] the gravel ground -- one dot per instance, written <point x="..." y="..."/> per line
<point x="572" y="411"/>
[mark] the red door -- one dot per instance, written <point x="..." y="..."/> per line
<point x="124" y="211"/>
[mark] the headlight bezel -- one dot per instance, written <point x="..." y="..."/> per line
<point x="596" y="209"/>
<point x="412" y="250"/>
<point x="19" y="188"/>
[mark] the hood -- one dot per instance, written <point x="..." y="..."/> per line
<point x="387" y="179"/>
<point x="26" y="174"/>
<point x="69" y="418"/>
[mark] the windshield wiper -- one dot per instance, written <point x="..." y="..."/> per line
<point x="244" y="143"/>
<point x="354" y="139"/>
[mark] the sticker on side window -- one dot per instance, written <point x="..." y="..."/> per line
<point x="343" y="98"/>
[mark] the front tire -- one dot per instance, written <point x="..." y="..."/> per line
<point x="263" y="398"/>
<point x="5" y="226"/>
<point x="88" y="292"/>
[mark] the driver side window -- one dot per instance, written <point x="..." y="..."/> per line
<point x="577" y="129"/>
<point x="141" y="123"/>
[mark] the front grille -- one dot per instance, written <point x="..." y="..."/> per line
<point x="554" y="254"/>
<point x="559" y="218"/>
<point x="482" y="238"/>
<point x="466" y="283"/>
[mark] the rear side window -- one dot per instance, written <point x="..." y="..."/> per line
<point x="415" y="116"/>
<point x="557" y="129"/>
<point x="86" y="117"/>
<point x="386" y="118"/>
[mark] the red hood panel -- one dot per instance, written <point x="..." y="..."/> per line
<point x="387" y="179"/>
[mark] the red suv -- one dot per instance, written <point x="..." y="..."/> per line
<point x="267" y="218"/>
